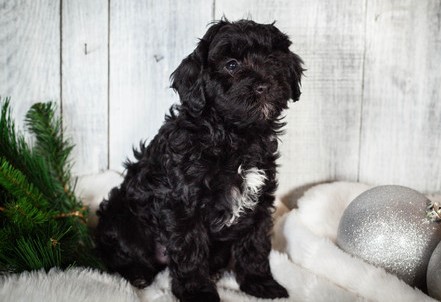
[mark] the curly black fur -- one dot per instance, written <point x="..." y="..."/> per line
<point x="202" y="192"/>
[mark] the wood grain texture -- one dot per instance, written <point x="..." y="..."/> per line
<point x="322" y="136"/>
<point x="29" y="53"/>
<point x="148" y="39"/>
<point x="85" y="81"/>
<point x="401" y="141"/>
<point x="371" y="103"/>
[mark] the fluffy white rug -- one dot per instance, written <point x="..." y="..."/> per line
<point x="304" y="259"/>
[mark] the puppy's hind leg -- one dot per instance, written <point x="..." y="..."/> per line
<point x="123" y="244"/>
<point x="140" y="274"/>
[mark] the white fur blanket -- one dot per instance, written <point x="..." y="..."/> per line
<point x="304" y="259"/>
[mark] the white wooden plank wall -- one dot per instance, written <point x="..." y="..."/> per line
<point x="29" y="53"/>
<point x="371" y="103"/>
<point x="401" y="123"/>
<point x="84" y="81"/>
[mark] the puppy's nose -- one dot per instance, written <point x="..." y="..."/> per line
<point x="262" y="88"/>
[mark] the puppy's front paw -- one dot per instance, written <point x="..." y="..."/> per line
<point x="263" y="288"/>
<point x="140" y="277"/>
<point x="207" y="293"/>
<point x="200" y="296"/>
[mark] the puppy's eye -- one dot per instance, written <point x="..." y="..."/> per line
<point x="232" y="65"/>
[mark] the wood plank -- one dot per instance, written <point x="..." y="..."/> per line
<point x="148" y="39"/>
<point x="85" y="82"/>
<point x="29" y="53"/>
<point x="322" y="136"/>
<point x="401" y="106"/>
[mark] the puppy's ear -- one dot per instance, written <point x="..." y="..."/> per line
<point x="188" y="78"/>
<point x="295" y="75"/>
<point x="187" y="81"/>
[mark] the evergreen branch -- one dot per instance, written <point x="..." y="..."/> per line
<point x="41" y="121"/>
<point x="16" y="183"/>
<point x="42" y="223"/>
<point x="12" y="147"/>
<point x="36" y="253"/>
<point x="5" y="262"/>
<point x="26" y="216"/>
<point x="40" y="249"/>
<point x="16" y="151"/>
<point x="80" y="213"/>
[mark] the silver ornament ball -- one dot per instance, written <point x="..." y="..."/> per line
<point x="388" y="226"/>
<point x="434" y="273"/>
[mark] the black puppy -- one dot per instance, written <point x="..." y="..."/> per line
<point x="201" y="193"/>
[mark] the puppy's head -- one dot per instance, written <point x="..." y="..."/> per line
<point x="242" y="70"/>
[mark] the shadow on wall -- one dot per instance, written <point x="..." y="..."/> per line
<point x="290" y="199"/>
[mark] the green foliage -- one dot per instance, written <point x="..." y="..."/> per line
<point x="14" y="182"/>
<point x="51" y="146"/>
<point x="42" y="223"/>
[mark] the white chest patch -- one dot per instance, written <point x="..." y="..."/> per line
<point x="248" y="196"/>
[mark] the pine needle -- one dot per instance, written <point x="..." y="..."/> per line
<point x="51" y="145"/>
<point x="17" y="152"/>
<point x="42" y="223"/>
<point x="36" y="253"/>
<point x="17" y="185"/>
<point x="27" y="216"/>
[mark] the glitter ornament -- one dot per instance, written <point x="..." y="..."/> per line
<point x="391" y="227"/>
<point x="434" y="273"/>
